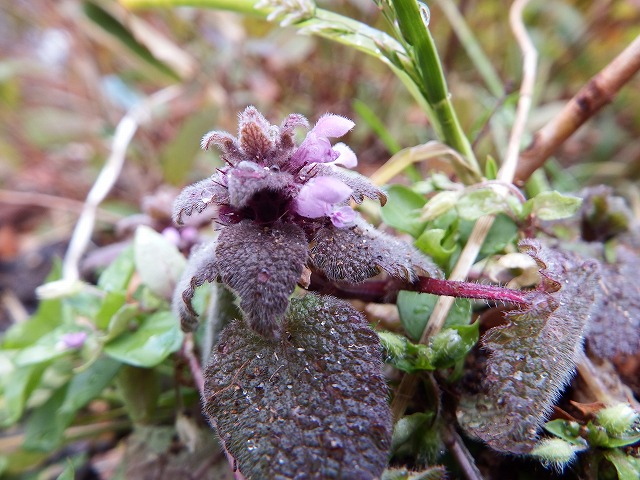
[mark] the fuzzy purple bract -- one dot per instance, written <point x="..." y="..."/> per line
<point x="281" y="207"/>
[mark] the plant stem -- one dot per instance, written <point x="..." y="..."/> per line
<point x="481" y="229"/>
<point x="434" y="88"/>
<point x="472" y="290"/>
<point x="240" y="6"/>
<point x="598" y="92"/>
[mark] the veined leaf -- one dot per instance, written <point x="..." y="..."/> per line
<point x="314" y="401"/>
<point x="533" y="357"/>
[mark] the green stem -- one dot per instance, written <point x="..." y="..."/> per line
<point x="422" y="76"/>
<point x="434" y="86"/>
<point x="245" y="7"/>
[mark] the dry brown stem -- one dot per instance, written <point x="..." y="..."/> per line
<point x="598" y="92"/>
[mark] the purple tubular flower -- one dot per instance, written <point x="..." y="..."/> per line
<point x="318" y="196"/>
<point x="74" y="340"/>
<point x="316" y="147"/>
<point x="281" y="208"/>
<point x="347" y="158"/>
<point x="343" y="216"/>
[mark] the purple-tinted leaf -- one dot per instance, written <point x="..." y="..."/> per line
<point x="603" y="214"/>
<point x="249" y="178"/>
<point x="198" y="197"/>
<point x="253" y="135"/>
<point x="361" y="185"/>
<point x="262" y="265"/>
<point x="227" y="143"/>
<point x="202" y="267"/>
<point x="615" y="327"/>
<point x="356" y="253"/>
<point x="533" y="356"/>
<point x="312" y="405"/>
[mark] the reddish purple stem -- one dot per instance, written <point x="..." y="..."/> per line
<point x="386" y="290"/>
<point x="452" y="288"/>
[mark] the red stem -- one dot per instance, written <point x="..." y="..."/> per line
<point x="451" y="288"/>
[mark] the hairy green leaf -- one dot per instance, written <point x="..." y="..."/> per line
<point x="403" y="210"/>
<point x="314" y="401"/>
<point x="552" y="205"/>
<point x="158" y="261"/>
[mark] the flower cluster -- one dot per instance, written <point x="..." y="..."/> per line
<point x="282" y="207"/>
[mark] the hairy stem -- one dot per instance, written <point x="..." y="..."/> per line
<point x="472" y="290"/>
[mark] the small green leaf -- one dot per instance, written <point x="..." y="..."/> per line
<point x="552" y="206"/>
<point x="49" y="315"/>
<point x="44" y="430"/>
<point x="615" y="442"/>
<point x="69" y="472"/>
<point x="402" y="210"/>
<point x="491" y="168"/>
<point x="158" y="261"/>
<point x="432" y="242"/>
<point x="116" y="276"/>
<point x="120" y="321"/>
<point x="416" y="437"/>
<point x="503" y="232"/>
<point x="111" y="303"/>
<point x="16" y="389"/>
<point x="478" y="203"/>
<point x="155" y="339"/>
<point x="139" y="388"/>
<point x="453" y="344"/>
<point x="48" y="347"/>
<point x="440" y="204"/>
<point x="628" y="468"/>
<point x="403" y="354"/>
<point x="569" y="431"/>
<point x="415" y="309"/>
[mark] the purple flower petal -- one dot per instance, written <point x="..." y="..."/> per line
<point x="318" y="196"/>
<point x="331" y="125"/>
<point x="343" y="216"/>
<point x="347" y="158"/>
<point x="172" y="235"/>
<point x="316" y="147"/>
<point x="74" y="340"/>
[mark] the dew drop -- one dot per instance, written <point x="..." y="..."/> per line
<point x="425" y="14"/>
<point x="264" y="275"/>
<point x="289" y="386"/>
<point x="251" y="445"/>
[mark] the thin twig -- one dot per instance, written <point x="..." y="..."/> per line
<point x="194" y="364"/>
<point x="107" y="178"/>
<point x="481" y="229"/>
<point x="43" y="200"/>
<point x="598" y="92"/>
<point x="462" y="455"/>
